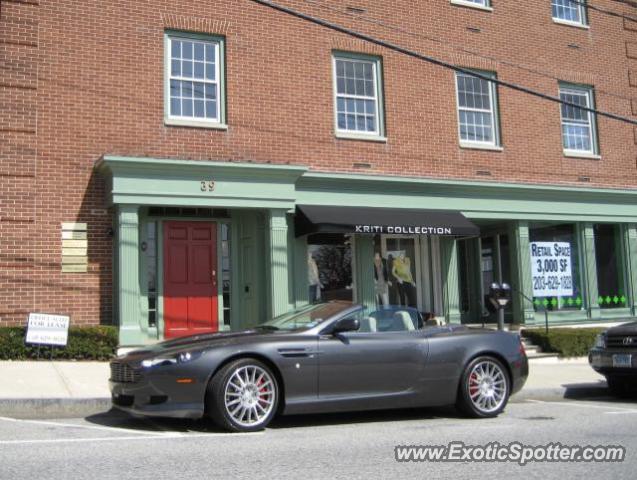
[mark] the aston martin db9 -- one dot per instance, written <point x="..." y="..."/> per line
<point x="327" y="357"/>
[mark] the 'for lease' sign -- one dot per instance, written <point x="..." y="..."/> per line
<point x="47" y="329"/>
<point x="551" y="269"/>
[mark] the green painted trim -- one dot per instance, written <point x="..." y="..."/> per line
<point x="364" y="271"/>
<point x="521" y="278"/>
<point x="301" y="286"/>
<point x="148" y="181"/>
<point x="631" y="252"/>
<point x="278" y="262"/>
<point x="221" y="41"/>
<point x="130" y="314"/>
<point x="161" y="326"/>
<point x="476" y="201"/>
<point x="588" y="267"/>
<point x="451" y="281"/>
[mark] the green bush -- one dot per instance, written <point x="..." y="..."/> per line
<point x="84" y="343"/>
<point x="567" y="342"/>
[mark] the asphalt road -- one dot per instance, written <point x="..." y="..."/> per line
<point x="115" y="446"/>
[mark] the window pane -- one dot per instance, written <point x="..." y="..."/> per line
<point x="475" y="110"/>
<point x="564" y="233"/>
<point x="356" y="95"/>
<point x="568" y="10"/>
<point x="610" y="278"/>
<point x="576" y="122"/>
<point x="199" y="51"/>
<point x="196" y="60"/>
<point x="186" y="50"/>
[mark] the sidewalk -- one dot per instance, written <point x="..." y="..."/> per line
<point x="63" y="389"/>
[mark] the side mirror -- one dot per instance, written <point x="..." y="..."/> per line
<point x="349" y="324"/>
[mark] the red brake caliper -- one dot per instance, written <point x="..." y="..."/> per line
<point x="473" y="383"/>
<point x="262" y="390"/>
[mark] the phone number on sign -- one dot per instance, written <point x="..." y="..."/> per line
<point x="552" y="282"/>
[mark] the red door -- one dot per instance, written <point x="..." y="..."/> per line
<point x="190" y="278"/>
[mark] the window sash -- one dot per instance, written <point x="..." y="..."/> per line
<point x="365" y="98"/>
<point x="587" y="123"/>
<point x="561" y="10"/>
<point x="202" y="83"/>
<point x="492" y="111"/>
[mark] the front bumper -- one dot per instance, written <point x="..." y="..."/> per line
<point x="601" y="360"/>
<point x="160" y="395"/>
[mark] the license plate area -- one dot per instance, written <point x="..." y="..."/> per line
<point x="623" y="360"/>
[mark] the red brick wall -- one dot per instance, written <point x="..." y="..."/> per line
<point x="82" y="78"/>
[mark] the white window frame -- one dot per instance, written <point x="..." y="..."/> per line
<point x="480" y="4"/>
<point x="220" y="121"/>
<point x="592" y="121"/>
<point x="583" y="17"/>
<point x="378" y="134"/>
<point x="495" y="144"/>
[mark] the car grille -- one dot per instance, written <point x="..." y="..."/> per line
<point x="123" y="373"/>
<point x="621" y="341"/>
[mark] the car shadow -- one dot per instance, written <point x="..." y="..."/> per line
<point x="595" y="391"/>
<point x="372" y="416"/>
<point x="128" y="423"/>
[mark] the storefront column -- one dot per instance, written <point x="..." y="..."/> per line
<point x="278" y="262"/>
<point x="301" y="286"/>
<point x="631" y="264"/>
<point x="521" y="278"/>
<point x="451" y="280"/>
<point x="587" y="239"/>
<point x="364" y="265"/>
<point x="130" y="315"/>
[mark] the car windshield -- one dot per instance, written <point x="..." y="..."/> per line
<point x="306" y="318"/>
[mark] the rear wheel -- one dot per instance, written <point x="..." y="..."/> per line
<point x="242" y="396"/>
<point x="484" y="388"/>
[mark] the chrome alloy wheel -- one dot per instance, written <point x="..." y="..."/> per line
<point x="487" y="386"/>
<point x="249" y="395"/>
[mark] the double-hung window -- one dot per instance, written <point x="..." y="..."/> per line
<point x="477" y="110"/>
<point x="358" y="102"/>
<point x="569" y="11"/>
<point x="482" y="4"/>
<point x="579" y="135"/>
<point x="194" y="88"/>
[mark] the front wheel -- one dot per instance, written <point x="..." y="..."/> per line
<point x="242" y="396"/>
<point x="618" y="387"/>
<point x="484" y="388"/>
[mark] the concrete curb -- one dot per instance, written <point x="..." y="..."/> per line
<point x="53" y="407"/>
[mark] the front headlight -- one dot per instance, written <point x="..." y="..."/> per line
<point x="183" y="357"/>
<point x="600" y="341"/>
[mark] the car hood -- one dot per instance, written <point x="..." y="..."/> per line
<point x="197" y="342"/>
<point x="625" y="329"/>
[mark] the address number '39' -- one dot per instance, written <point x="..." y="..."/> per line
<point x="207" y="185"/>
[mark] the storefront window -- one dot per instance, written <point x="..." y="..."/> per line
<point x="610" y="277"/>
<point x="555" y="267"/>
<point x="150" y="249"/>
<point x="329" y="266"/>
<point x="395" y="271"/>
<point x="225" y="272"/>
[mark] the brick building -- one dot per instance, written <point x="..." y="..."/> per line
<point x="173" y="167"/>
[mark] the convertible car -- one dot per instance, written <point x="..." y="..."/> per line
<point x="325" y="358"/>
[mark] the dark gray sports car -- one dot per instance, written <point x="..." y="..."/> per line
<point x="325" y="358"/>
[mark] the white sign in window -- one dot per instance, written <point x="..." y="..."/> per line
<point x="551" y="269"/>
<point x="47" y="329"/>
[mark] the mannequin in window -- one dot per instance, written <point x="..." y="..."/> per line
<point x="381" y="280"/>
<point x="313" y="279"/>
<point x="401" y="271"/>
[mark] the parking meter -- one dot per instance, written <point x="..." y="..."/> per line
<point x="499" y="297"/>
